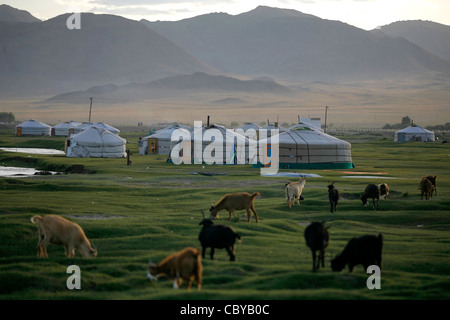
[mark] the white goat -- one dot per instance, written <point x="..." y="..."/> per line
<point x="294" y="190"/>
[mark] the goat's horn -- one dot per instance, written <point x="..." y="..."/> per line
<point x="203" y="214"/>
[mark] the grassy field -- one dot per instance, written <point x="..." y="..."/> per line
<point x="151" y="209"/>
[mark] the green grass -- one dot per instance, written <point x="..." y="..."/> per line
<point x="153" y="208"/>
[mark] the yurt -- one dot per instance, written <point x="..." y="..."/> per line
<point x="272" y="126"/>
<point x="305" y="147"/>
<point x="80" y="127"/>
<point x="234" y="148"/>
<point x="96" y="142"/>
<point x="107" y="127"/>
<point x="414" y="133"/>
<point x="250" y="130"/>
<point x="33" y="128"/>
<point x="62" y="129"/>
<point x="160" y="141"/>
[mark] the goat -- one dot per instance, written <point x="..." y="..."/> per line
<point x="433" y="180"/>
<point x="333" y="196"/>
<point x="217" y="236"/>
<point x="60" y="231"/>
<point x="426" y="188"/>
<point x="294" y="191"/>
<point x="384" y="190"/>
<point x="317" y="237"/>
<point x="371" y="191"/>
<point x="183" y="265"/>
<point x="236" y="201"/>
<point x="365" y="250"/>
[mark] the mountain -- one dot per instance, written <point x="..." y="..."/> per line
<point x="10" y="14"/>
<point x="433" y="37"/>
<point x="171" y="86"/>
<point x="48" y="58"/>
<point x="293" y="45"/>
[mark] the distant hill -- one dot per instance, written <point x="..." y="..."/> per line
<point x="10" y="14"/>
<point x="175" y="85"/>
<point x="433" y="37"/>
<point x="293" y="45"/>
<point x="48" y="58"/>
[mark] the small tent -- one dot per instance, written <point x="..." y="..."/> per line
<point x="33" y="128"/>
<point x="160" y="141"/>
<point x="305" y="147"/>
<point x="62" y="129"/>
<point x="414" y="133"/>
<point x="96" y="142"/>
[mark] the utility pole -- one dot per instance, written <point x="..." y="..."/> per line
<point x="326" y="114"/>
<point x="90" y="109"/>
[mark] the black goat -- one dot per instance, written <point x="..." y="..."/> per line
<point x="333" y="195"/>
<point x="365" y="250"/>
<point x="217" y="236"/>
<point x="316" y="237"/>
<point x="371" y="191"/>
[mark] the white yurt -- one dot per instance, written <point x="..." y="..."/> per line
<point x="33" y="128"/>
<point x="160" y="141"/>
<point x="107" y="127"/>
<point x="414" y="133"/>
<point x="62" y="129"/>
<point x="96" y="142"/>
<point x="80" y="127"/>
<point x="250" y="130"/>
<point x="305" y="147"/>
<point x="234" y="148"/>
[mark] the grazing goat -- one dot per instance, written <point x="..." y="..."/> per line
<point x="316" y="237"/>
<point x="426" y="188"/>
<point x="217" y="236"/>
<point x="365" y="250"/>
<point x="60" y="231"/>
<point x="371" y="191"/>
<point x="384" y="190"/>
<point x="433" y="180"/>
<point x="333" y="195"/>
<point x="294" y="191"/>
<point x="183" y="265"/>
<point x="236" y="201"/>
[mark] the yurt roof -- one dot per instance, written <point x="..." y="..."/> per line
<point x="94" y="135"/>
<point x="166" y="132"/>
<point x="106" y="126"/>
<point x="271" y="126"/>
<point x="302" y="126"/>
<point x="67" y="124"/>
<point x="249" y="125"/>
<point x="227" y="133"/>
<point x="414" y="129"/>
<point x="33" y="124"/>
<point x="308" y="135"/>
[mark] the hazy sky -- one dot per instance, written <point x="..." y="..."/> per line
<point x="365" y="14"/>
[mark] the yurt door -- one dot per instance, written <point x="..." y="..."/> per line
<point x="152" y="146"/>
<point x="19" y="131"/>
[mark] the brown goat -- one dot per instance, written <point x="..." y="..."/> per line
<point x="60" y="231"/>
<point x="236" y="201"/>
<point x="426" y="188"/>
<point x="183" y="265"/>
<point x="433" y="180"/>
